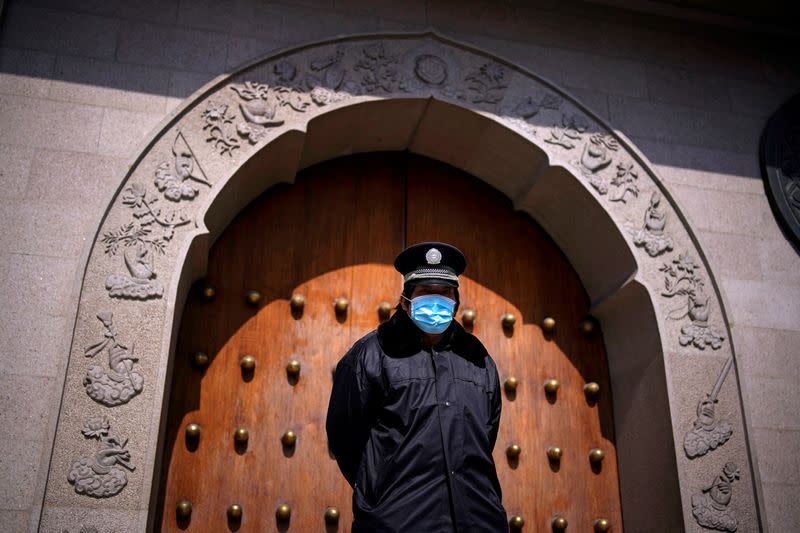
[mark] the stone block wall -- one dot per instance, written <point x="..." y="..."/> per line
<point x="83" y="85"/>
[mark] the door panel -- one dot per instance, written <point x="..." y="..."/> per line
<point x="334" y="234"/>
<point x="514" y="267"/>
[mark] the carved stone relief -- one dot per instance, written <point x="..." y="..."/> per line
<point x="651" y="236"/>
<point x="326" y="80"/>
<point x="136" y="239"/>
<point x="261" y="108"/>
<point x="139" y="285"/>
<point x="710" y="507"/>
<point x="430" y="72"/>
<point x="103" y="475"/>
<point x="325" y="71"/>
<point x="487" y="84"/>
<point x="569" y="133"/>
<point x="431" y="69"/>
<point x="528" y="108"/>
<point x="118" y="383"/>
<point x="597" y="155"/>
<point x="682" y="280"/>
<point x="379" y="70"/>
<point x="620" y="185"/>
<point x="707" y="432"/>
<point x="139" y="245"/>
<point x="217" y="121"/>
<point x="265" y="106"/>
<point x="174" y="180"/>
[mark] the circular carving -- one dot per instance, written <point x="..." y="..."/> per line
<point x="780" y="161"/>
<point x="431" y="69"/>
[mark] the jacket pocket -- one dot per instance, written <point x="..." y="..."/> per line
<point x="476" y="399"/>
<point x="361" y="489"/>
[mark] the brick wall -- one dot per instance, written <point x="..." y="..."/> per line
<point x="82" y="84"/>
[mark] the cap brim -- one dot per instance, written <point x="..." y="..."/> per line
<point x="432" y="281"/>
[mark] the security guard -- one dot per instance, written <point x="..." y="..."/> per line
<point x="415" y="408"/>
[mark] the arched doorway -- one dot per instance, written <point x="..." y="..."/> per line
<point x="333" y="234"/>
<point x="558" y="162"/>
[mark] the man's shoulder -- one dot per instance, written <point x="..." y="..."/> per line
<point x="367" y="341"/>
<point x="363" y="347"/>
<point x="470" y="346"/>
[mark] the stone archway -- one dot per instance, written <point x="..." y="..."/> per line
<point x="677" y="403"/>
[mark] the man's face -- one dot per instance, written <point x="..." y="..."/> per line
<point x="421" y="290"/>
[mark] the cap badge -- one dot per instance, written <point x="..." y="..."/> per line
<point x="433" y="256"/>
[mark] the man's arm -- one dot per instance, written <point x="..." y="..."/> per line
<point x="496" y="405"/>
<point x="350" y="413"/>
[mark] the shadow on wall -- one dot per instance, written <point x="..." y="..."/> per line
<point x="47" y="40"/>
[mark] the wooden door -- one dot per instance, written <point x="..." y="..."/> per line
<point x="333" y="236"/>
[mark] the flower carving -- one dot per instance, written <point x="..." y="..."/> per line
<point x="379" y="69"/>
<point x="487" y="84"/>
<point x="569" y="133"/>
<point x="217" y="117"/>
<point x="682" y="279"/>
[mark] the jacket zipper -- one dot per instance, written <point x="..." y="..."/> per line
<point x="447" y="471"/>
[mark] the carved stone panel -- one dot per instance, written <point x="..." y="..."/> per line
<point x="104" y="474"/>
<point x="652" y="236"/>
<point x="708" y="432"/>
<point x="118" y="382"/>
<point x="683" y="281"/>
<point x="711" y="506"/>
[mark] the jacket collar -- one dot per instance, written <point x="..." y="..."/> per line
<point x="400" y="337"/>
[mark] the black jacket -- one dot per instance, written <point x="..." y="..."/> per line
<point x="413" y="430"/>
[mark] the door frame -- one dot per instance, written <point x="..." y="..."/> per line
<point x="433" y="96"/>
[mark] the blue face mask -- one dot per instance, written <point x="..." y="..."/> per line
<point x="432" y="313"/>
